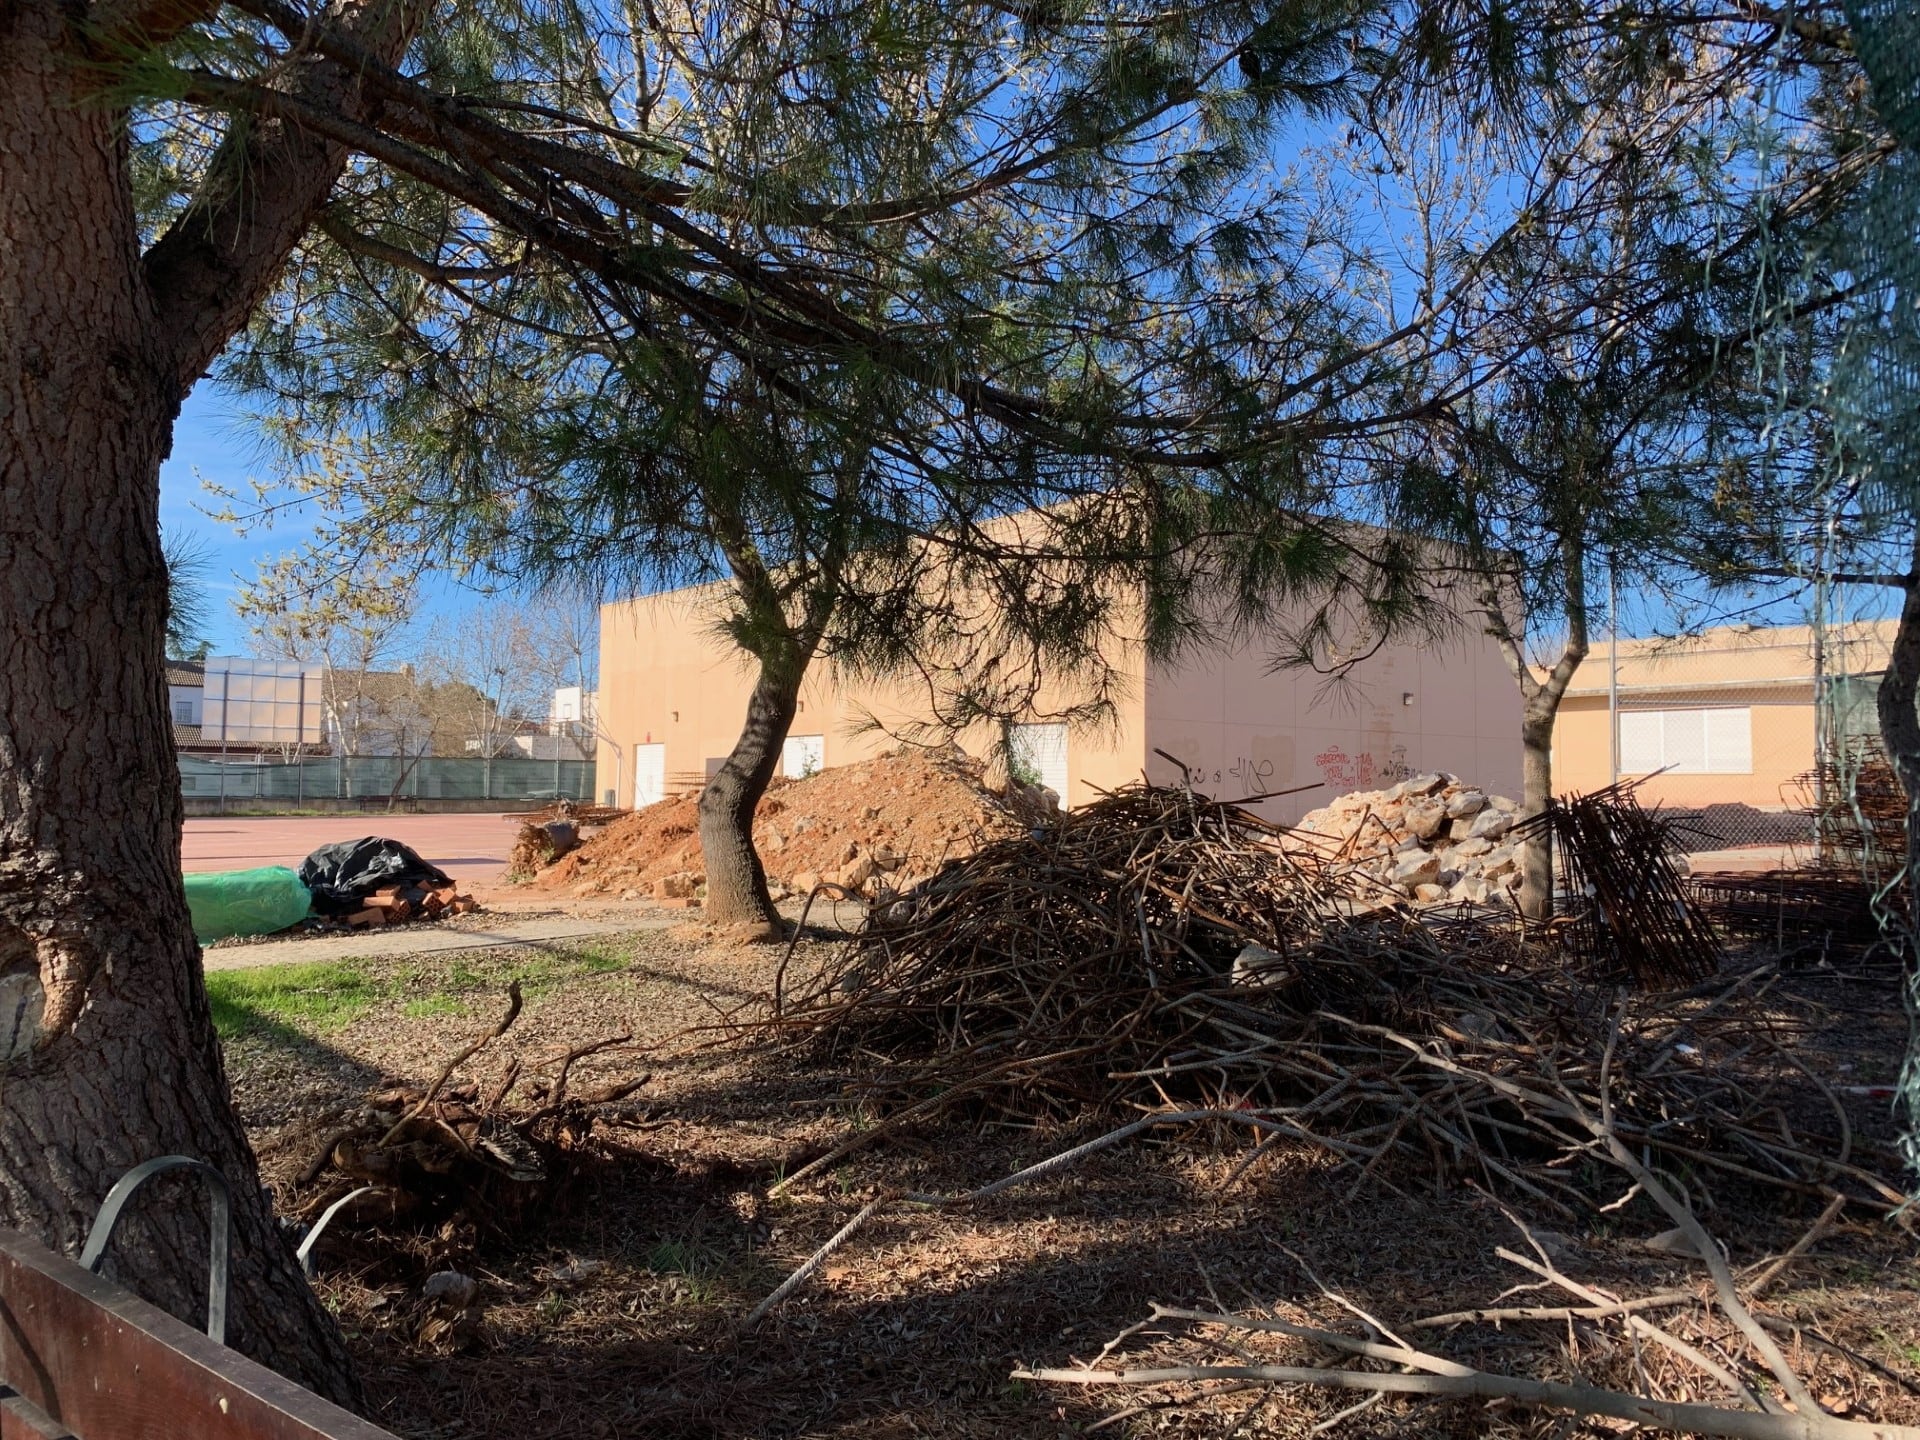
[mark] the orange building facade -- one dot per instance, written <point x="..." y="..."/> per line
<point x="1725" y="717"/>
<point x="673" y="694"/>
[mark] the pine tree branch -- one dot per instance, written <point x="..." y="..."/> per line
<point x="117" y="26"/>
<point x="217" y="260"/>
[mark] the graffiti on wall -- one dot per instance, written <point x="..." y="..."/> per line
<point x="1362" y="771"/>
<point x="1253" y="776"/>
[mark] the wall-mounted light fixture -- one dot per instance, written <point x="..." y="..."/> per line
<point x="676" y="717"/>
<point x="1406" y="697"/>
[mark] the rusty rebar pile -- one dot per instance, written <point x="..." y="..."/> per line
<point x="1859" y="810"/>
<point x="1802" y="916"/>
<point x="1627" y="915"/>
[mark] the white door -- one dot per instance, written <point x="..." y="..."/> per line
<point x="1041" y="751"/>
<point x="649" y="775"/>
<point x="802" y="755"/>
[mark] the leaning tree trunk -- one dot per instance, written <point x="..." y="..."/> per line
<point x="1898" y="717"/>
<point x="736" y="881"/>
<point x="1900" y="734"/>
<point x="1536" y="793"/>
<point x="1539" y="712"/>
<point x="107" y="1052"/>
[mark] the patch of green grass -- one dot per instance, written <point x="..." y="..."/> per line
<point x="318" y="997"/>
<point x="322" y="997"/>
<point x="695" y="1266"/>
<point x="596" y="961"/>
<point x="430" y="1005"/>
<point x="541" y="971"/>
<point x="675" y="1257"/>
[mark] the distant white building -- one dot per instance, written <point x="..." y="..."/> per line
<point x="186" y="688"/>
<point x="239" y="703"/>
<point x="553" y="746"/>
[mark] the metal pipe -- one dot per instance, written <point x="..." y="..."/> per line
<point x="1613" y="668"/>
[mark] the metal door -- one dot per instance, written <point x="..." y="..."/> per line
<point x="649" y="774"/>
<point x="1040" y="751"/>
<point x="802" y="755"/>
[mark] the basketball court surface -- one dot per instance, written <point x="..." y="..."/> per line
<point x="472" y="849"/>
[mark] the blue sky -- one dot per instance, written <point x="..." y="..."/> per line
<point x="214" y="441"/>
<point x="210" y="442"/>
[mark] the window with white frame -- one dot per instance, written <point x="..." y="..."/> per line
<point x="1687" y="742"/>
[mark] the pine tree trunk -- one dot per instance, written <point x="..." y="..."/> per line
<point x="1536" y="790"/>
<point x="107" y="1051"/>
<point x="736" y="881"/>
<point x="1900" y="734"/>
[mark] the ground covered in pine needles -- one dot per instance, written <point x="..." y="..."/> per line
<point x="614" y="1306"/>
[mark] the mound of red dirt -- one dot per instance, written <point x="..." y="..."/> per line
<point x="893" y="820"/>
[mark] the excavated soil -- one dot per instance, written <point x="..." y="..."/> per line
<point x="917" y="807"/>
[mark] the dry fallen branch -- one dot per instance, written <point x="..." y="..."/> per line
<point x="449" y="1153"/>
<point x="1157" y="949"/>
<point x="466" y="1053"/>
<point x="1027" y="1175"/>
<point x="1799" y="1417"/>
<point x="1580" y="1399"/>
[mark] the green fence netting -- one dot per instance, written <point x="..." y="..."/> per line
<point x="1873" y="392"/>
<point x="374" y="778"/>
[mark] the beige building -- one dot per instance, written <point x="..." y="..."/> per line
<point x="673" y="695"/>
<point x="1727" y="715"/>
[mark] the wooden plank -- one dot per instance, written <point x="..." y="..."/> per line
<point x="109" y="1366"/>
<point x="20" y="1420"/>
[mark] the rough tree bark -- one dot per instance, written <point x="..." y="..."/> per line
<point x="1540" y="708"/>
<point x="107" y="1051"/>
<point x="1899" y="734"/>
<point x="736" y="880"/>
<point x="783" y="645"/>
<point x="1895" y="704"/>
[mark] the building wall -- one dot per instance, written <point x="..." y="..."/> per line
<point x="184" y="704"/>
<point x="1243" y="729"/>
<point x="1781" y="748"/>
<point x="666" y="677"/>
<point x="1766" y="671"/>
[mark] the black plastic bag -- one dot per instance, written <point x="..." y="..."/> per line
<point x="342" y="875"/>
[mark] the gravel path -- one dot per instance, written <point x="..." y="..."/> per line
<point x="500" y="932"/>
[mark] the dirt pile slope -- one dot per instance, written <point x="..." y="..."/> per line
<point x="891" y="820"/>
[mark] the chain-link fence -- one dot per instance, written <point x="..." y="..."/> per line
<point x="254" y="782"/>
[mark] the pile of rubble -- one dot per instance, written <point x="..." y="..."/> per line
<point x="1431" y="840"/>
<point x="885" y="823"/>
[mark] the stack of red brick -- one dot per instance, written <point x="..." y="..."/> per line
<point x="399" y="904"/>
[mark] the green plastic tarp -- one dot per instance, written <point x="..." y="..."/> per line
<point x="246" y="902"/>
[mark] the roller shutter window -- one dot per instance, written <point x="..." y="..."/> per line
<point x="1687" y="742"/>
<point x="1041" y="750"/>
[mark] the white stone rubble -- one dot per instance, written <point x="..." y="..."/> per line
<point x="1431" y="840"/>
